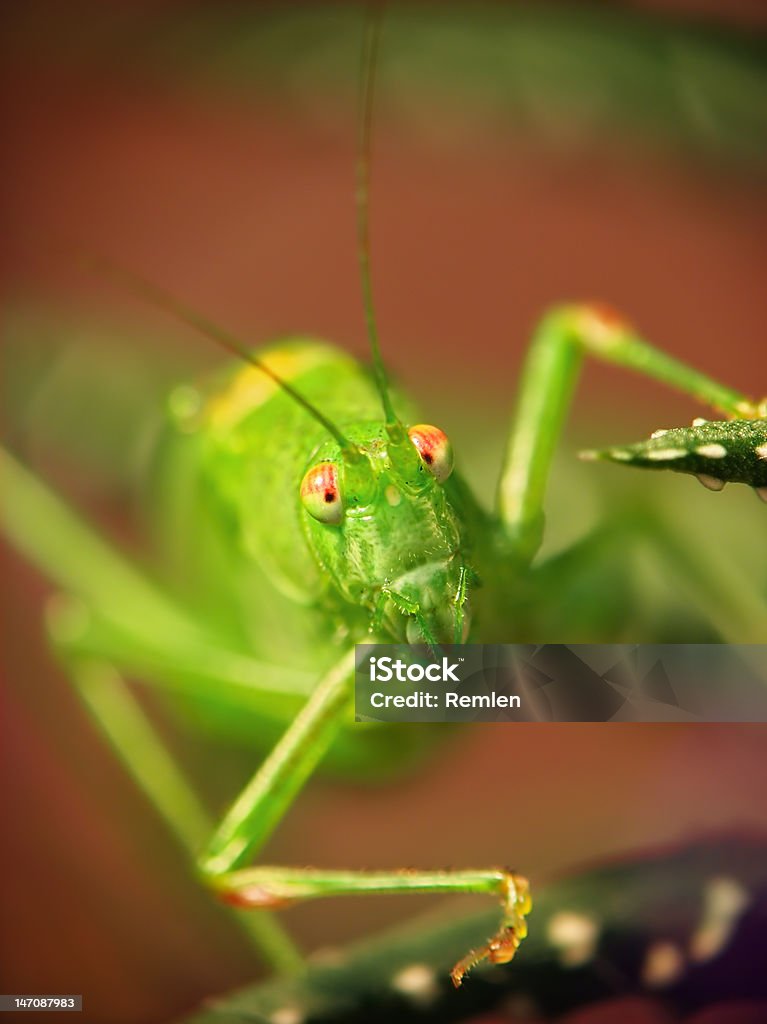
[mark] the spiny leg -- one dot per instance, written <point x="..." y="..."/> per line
<point x="561" y="340"/>
<point x="280" y="887"/>
<point x="264" y="801"/>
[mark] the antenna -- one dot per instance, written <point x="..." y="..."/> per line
<point x="368" y="64"/>
<point x="161" y="299"/>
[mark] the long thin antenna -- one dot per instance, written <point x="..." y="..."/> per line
<point x="162" y="299"/>
<point x="368" y="65"/>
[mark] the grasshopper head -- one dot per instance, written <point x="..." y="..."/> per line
<point x="384" y="529"/>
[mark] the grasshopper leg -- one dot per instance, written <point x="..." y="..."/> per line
<point x="256" y="812"/>
<point x="276" y="887"/>
<point x="562" y="339"/>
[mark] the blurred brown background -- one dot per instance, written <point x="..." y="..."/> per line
<point x="238" y="197"/>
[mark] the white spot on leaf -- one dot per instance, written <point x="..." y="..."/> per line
<point x="761" y="451"/>
<point x="664" y="963"/>
<point x="418" y="982"/>
<point x="574" y="935"/>
<point x="666" y="454"/>
<point x="724" y="900"/>
<point x="712" y="451"/>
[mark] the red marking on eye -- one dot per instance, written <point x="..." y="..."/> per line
<point x="321" y="494"/>
<point x="434" y="448"/>
<point x="321" y="480"/>
<point x="427" y="440"/>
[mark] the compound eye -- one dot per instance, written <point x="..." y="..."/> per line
<point x="434" y="448"/>
<point x="321" y="494"/>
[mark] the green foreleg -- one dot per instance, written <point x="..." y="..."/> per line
<point x="261" y="805"/>
<point x="276" y="887"/>
<point x="264" y="801"/>
<point x="564" y="336"/>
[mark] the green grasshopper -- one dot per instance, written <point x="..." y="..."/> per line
<point x="306" y="495"/>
